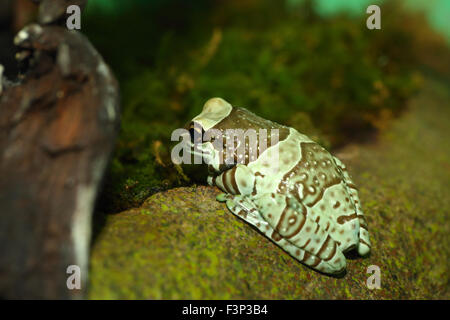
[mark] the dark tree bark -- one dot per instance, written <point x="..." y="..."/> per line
<point x="52" y="11"/>
<point x="57" y="130"/>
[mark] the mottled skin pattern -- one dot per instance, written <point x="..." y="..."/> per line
<point x="295" y="192"/>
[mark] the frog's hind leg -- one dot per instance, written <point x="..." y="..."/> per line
<point x="364" y="241"/>
<point x="243" y="207"/>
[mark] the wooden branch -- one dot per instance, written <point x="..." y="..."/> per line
<point x="57" y="130"/>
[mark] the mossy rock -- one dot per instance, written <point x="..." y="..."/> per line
<point x="183" y="244"/>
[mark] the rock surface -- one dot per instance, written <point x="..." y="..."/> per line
<point x="182" y="244"/>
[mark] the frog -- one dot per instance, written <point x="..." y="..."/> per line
<point x="292" y="190"/>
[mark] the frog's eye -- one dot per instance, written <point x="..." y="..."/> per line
<point x="196" y="132"/>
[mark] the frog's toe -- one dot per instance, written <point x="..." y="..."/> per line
<point x="363" y="248"/>
<point x="222" y="197"/>
<point x="364" y="242"/>
<point x="334" y="261"/>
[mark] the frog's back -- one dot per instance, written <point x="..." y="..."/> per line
<point x="318" y="183"/>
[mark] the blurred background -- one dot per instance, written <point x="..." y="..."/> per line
<point x="309" y="64"/>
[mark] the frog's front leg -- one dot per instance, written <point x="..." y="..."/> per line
<point x="364" y="241"/>
<point x="237" y="183"/>
<point x="244" y="208"/>
<point x="237" y="180"/>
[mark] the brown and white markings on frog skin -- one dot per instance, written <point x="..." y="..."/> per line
<point x="309" y="206"/>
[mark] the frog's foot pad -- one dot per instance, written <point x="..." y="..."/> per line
<point x="223" y="197"/>
<point x="363" y="247"/>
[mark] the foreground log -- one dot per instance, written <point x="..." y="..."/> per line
<point x="54" y="11"/>
<point x="57" y="129"/>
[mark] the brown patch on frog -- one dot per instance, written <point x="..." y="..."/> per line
<point x="306" y="243"/>
<point x="240" y="118"/>
<point x="291" y="229"/>
<point x="311" y="154"/>
<point x="233" y="180"/>
<point x="259" y="174"/>
<point x="344" y="219"/>
<point x="275" y="236"/>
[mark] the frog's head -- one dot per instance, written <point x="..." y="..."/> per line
<point x="214" y="111"/>
<point x="204" y="133"/>
<point x="220" y="123"/>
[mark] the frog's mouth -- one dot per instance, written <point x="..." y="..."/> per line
<point x="196" y="132"/>
<point x="195" y="144"/>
